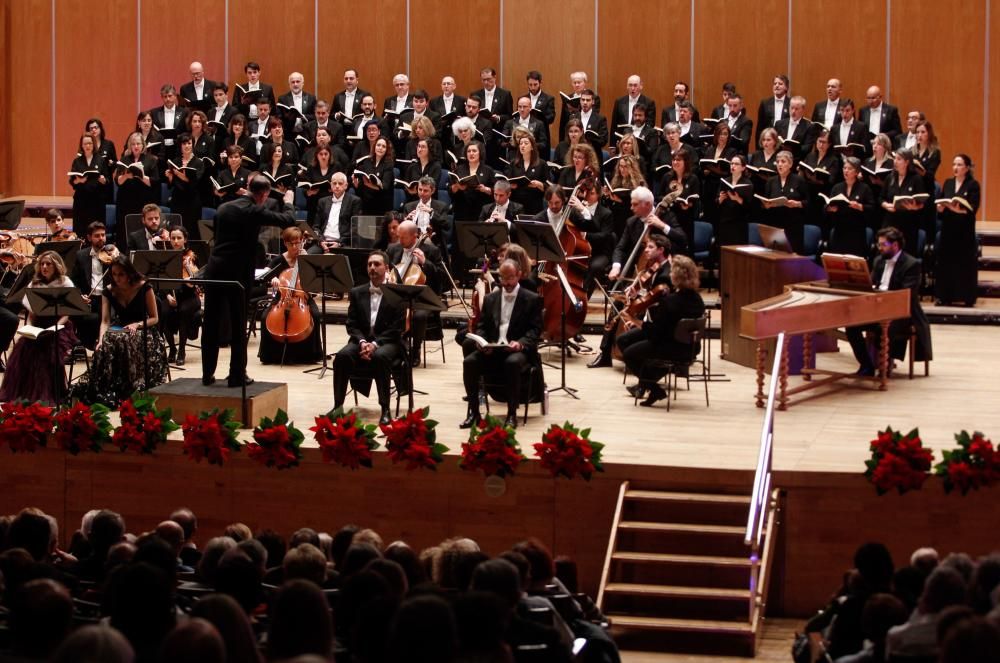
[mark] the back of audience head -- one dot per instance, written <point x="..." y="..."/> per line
<point x="566" y="572"/>
<point x="107" y="529"/>
<point x="187" y="520"/>
<point x="194" y="640"/>
<point x="307" y="562"/>
<point x="214" y="550"/>
<point x="18" y="567"/>
<point x="944" y="587"/>
<point x="41" y="617"/>
<point x="237" y="532"/>
<point x="256" y="551"/>
<point x="154" y="550"/>
<point x="423" y="631"/>
<point x="924" y="560"/>
<point x="407" y="558"/>
<point x="300" y="622"/>
<point x="31" y="529"/>
<point x="874" y="563"/>
<point x="961" y="563"/>
<point x="880" y="613"/>
<point x="232" y="624"/>
<point x="238" y="576"/>
<point x="481" y="619"/>
<point x="369" y="536"/>
<point x="274" y="544"/>
<point x="393" y="574"/>
<point x="94" y="644"/>
<point x="540" y="559"/>
<point x="341" y="542"/>
<point x="141" y="606"/>
<point x="172" y="533"/>
<point x="499" y="577"/>
<point x="971" y="640"/>
<point x="985" y="580"/>
<point x="908" y="585"/>
<point x="357" y="557"/>
<point x="304" y="535"/>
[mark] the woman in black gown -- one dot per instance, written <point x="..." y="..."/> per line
<point x="957" y="270"/>
<point x="423" y="165"/>
<point x="927" y="160"/>
<point x="720" y="148"/>
<point x="825" y="171"/>
<point x="468" y="199"/>
<point x="308" y="350"/>
<point x="134" y="190"/>
<point x="185" y="184"/>
<point x="376" y="190"/>
<point x="316" y="179"/>
<point x="762" y="164"/>
<point x="735" y="200"/>
<point x="233" y="174"/>
<point x="88" y="188"/>
<point x="34" y="363"/>
<point x="106" y="150"/>
<point x="904" y="215"/>
<point x="678" y="186"/>
<point x="876" y="169"/>
<point x="128" y="350"/>
<point x="789" y="216"/>
<point x="849" y="221"/>
<point x="238" y="136"/>
<point x="528" y="164"/>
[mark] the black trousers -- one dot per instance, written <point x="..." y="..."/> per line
<point x="8" y="325"/>
<point x="478" y="364"/>
<point x="225" y="304"/>
<point x="348" y="361"/>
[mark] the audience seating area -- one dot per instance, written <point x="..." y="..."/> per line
<point x="179" y="594"/>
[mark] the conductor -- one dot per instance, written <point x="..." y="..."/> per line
<point x="237" y="224"/>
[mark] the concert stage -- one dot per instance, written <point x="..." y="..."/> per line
<point x="820" y="446"/>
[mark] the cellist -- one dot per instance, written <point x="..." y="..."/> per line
<point x="274" y="350"/>
<point x="625" y="326"/>
<point x="415" y="260"/>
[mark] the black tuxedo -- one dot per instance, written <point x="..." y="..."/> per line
<point x="566" y="111"/>
<point x="694" y="135"/>
<point x="741" y="133"/>
<point x="765" y="113"/>
<point x="439" y="222"/>
<point x="137" y="240"/>
<point x="336" y="130"/>
<point x="349" y="208"/>
<point x="889" y="123"/>
<point x="227" y="114"/>
<point x="188" y="96"/>
<point x="512" y="212"/>
<point x="386" y="333"/>
<point x="502" y="106"/>
<point x="546" y="106"/>
<point x="392" y="121"/>
<point x="633" y="231"/>
<point x="169" y="151"/>
<point x="87" y="326"/>
<point x="803" y="134"/>
<point x="288" y="117"/>
<point x="669" y="114"/>
<point x="819" y="111"/>
<point x="537" y="129"/>
<point x="237" y="225"/>
<point x="857" y="133"/>
<point x="599" y="125"/>
<point x="340" y="100"/>
<point x="265" y="92"/>
<point x="457" y="106"/>
<point x="905" y="274"/>
<point x="620" y="114"/>
<point x="525" y="327"/>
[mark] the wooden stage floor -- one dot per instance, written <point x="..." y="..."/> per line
<point x="828" y="433"/>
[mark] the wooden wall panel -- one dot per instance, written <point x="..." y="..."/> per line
<point x="988" y="170"/>
<point x="377" y="54"/>
<point x="949" y="90"/>
<point x="851" y="48"/>
<point x="622" y="39"/>
<point x="106" y="68"/>
<point x="281" y="38"/>
<point x="747" y="47"/>
<point x="28" y="60"/>
<point x="175" y="33"/>
<point x="5" y="156"/>
<point x="460" y="44"/>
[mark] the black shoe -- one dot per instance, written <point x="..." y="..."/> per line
<point x="415" y="358"/>
<point x="239" y="382"/>
<point x="208" y="380"/>
<point x="180" y="358"/>
<point x="865" y="372"/>
<point x="655" y="394"/>
<point x="510" y="420"/>
<point x="470" y="420"/>
<point x="580" y="338"/>
<point x="386" y="418"/>
<point x="172" y="355"/>
<point x="636" y="391"/>
<point x="600" y="361"/>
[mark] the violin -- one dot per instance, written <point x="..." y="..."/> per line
<point x="289" y="319"/>
<point x="107" y="254"/>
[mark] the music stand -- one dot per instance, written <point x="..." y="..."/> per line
<point x="324" y="273"/>
<point x="774" y="238"/>
<point x="57" y="302"/>
<point x="16" y="292"/>
<point x="156" y="265"/>
<point x="414" y="298"/>
<point x="544" y="245"/>
<point x="476" y="238"/>
<point x="67" y="250"/>
<point x="11" y="212"/>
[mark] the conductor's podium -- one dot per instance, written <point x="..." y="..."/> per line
<point x="806" y="308"/>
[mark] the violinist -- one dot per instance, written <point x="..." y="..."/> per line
<point x="598" y="226"/>
<point x="92" y="176"/>
<point x="145" y="239"/>
<point x="332" y="224"/>
<point x="58" y="231"/>
<point x="89" y="271"/>
<point x="415" y="260"/>
<point x="287" y="284"/>
<point x="622" y="324"/>
<point x="182" y="314"/>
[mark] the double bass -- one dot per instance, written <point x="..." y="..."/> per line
<point x="578" y="252"/>
<point x="289" y="319"/>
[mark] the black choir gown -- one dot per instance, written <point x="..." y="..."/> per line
<point x="849" y="226"/>
<point x="307" y="351"/>
<point x="930" y="160"/>
<point x="734" y="217"/>
<point x="89" y="196"/>
<point x="414" y="171"/>
<point x="957" y="266"/>
<point x="791" y="219"/>
<point x="531" y="199"/>
<point x="467" y="204"/>
<point x="907" y="221"/>
<point x="133" y="194"/>
<point x="185" y="197"/>
<point x="876" y="184"/>
<point x="118" y="367"/>
<point x="820" y="183"/>
<point x="376" y="202"/>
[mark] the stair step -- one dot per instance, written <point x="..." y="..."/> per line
<point x="681" y="625"/>
<point x="678" y="591"/>
<point x="704" y="498"/>
<point x="989" y="288"/>
<point x="663" y="558"/>
<point x="988" y="263"/>
<point x="989" y="237"/>
<point x="637" y="525"/>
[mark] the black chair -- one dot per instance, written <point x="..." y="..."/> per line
<point x="533" y="377"/>
<point x="688" y="331"/>
<point x="133" y="222"/>
<point x="433" y="332"/>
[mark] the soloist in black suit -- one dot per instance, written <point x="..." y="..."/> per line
<point x="525" y="327"/>
<point x="349" y="208"/>
<point x="386" y="333"/>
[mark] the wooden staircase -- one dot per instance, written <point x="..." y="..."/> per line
<point x="678" y="575"/>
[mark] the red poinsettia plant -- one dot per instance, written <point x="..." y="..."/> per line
<point x="210" y="435"/>
<point x="973" y="465"/>
<point x="25" y="425"/>
<point x="143" y="427"/>
<point x="898" y="461"/>
<point x="492" y="448"/>
<point x="568" y="451"/>
<point x="344" y="439"/>
<point x="81" y="427"/>
<point x="276" y="443"/>
<point x="411" y="439"/>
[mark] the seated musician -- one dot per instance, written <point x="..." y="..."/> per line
<point x="407" y="259"/>
<point x="502" y="208"/>
<point x="146" y="237"/>
<point x="273" y="348"/>
<point x="58" y="231"/>
<point x="656" y="251"/>
<point x="894" y="269"/>
<point x="374" y="329"/>
<point x="89" y="271"/>
<point x="598" y="226"/>
<point x="643" y="215"/>
<point x="333" y="216"/>
<point x="426" y="212"/>
<point x="512" y="316"/>
<point x="655" y="339"/>
<point x="182" y="313"/>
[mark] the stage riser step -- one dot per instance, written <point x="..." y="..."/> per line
<point x="989" y="237"/>
<point x="989" y="288"/>
<point x="682" y="543"/>
<point x="651" y="606"/>
<point x="680" y="574"/>
<point x="682" y="512"/>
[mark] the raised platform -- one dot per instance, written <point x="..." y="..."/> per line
<point x="189" y="396"/>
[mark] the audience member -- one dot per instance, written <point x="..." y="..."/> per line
<point x="194" y="640"/>
<point x="300" y="622"/>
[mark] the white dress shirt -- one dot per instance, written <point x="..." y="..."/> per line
<point x="253" y="107"/>
<point x="890" y="265"/>
<point x="831" y="112"/>
<point x="845" y="131"/>
<point x="779" y="108"/>
<point x="507" y="300"/>
<point x="332" y="229"/>
<point x="349" y="103"/>
<point x="875" y="120"/>
<point x="488" y="101"/>
<point x="376" y="301"/>
<point x="168" y="122"/>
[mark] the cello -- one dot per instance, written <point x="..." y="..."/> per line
<point x="578" y="252"/>
<point x="289" y="319"/>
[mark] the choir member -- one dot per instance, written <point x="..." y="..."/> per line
<point x="775" y="107"/>
<point x="735" y="203"/>
<point x="374" y="179"/>
<point x="790" y="215"/>
<point x="956" y="269"/>
<point x="849" y="221"/>
<point x="468" y="198"/>
<point x="879" y="117"/>
<point x="528" y="164"/>
<point x="904" y="214"/>
<point x="91" y="177"/>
